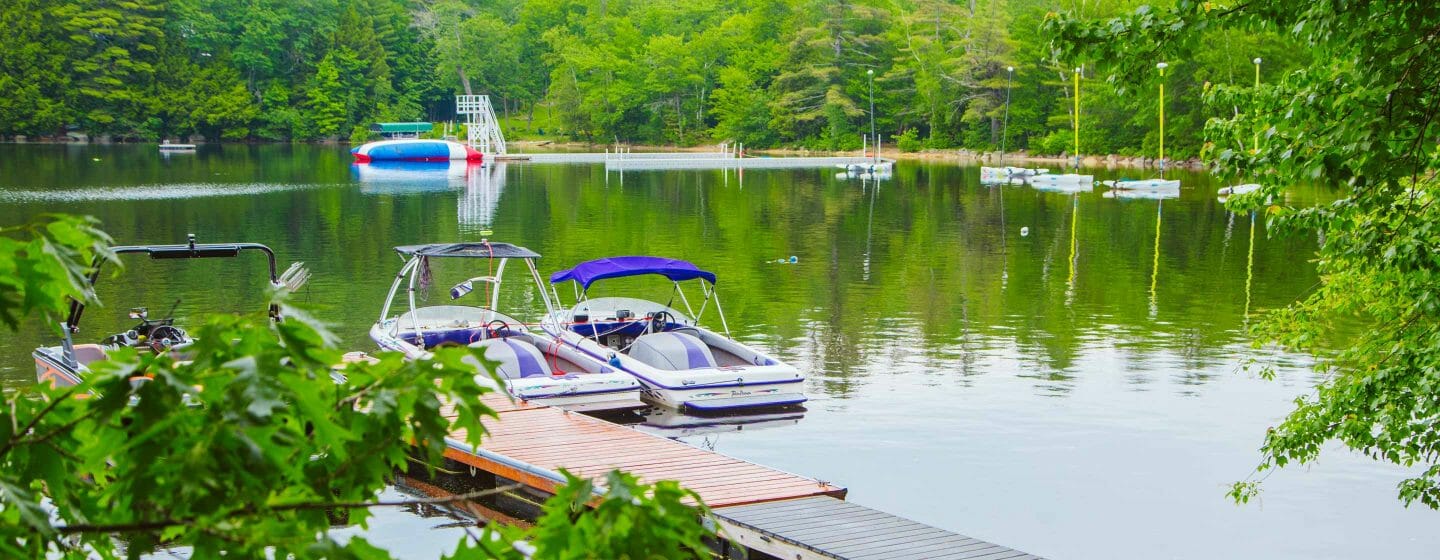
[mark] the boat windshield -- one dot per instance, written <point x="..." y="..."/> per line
<point x="606" y="309"/>
<point x="454" y="317"/>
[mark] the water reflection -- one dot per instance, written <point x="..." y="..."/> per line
<point x="1088" y="366"/>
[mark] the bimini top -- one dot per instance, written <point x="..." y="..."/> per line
<point x="589" y="272"/>
<point x="474" y="250"/>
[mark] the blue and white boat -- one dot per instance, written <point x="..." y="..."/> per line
<point x="532" y="365"/>
<point x="681" y="364"/>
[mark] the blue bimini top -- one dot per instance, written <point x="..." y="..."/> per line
<point x="589" y="272"/>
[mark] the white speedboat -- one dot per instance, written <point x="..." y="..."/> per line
<point x="532" y="365"/>
<point x="68" y="364"/>
<point x="680" y="363"/>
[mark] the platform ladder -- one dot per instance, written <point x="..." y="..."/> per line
<point x="483" y="128"/>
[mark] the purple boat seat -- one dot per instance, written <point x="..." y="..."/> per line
<point x="517" y="358"/>
<point x="672" y="351"/>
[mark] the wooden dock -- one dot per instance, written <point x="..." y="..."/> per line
<point x="764" y="509"/>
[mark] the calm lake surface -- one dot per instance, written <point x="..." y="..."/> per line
<point x="1074" y="392"/>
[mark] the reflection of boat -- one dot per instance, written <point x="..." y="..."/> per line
<point x="680" y="363"/>
<point x="1063" y="187"/>
<point x="414" y="150"/>
<point x="671" y="423"/>
<point x="169" y="148"/>
<point x="533" y="365"/>
<point x="1144" y="184"/>
<point x="67" y="364"/>
<point x="1146" y="195"/>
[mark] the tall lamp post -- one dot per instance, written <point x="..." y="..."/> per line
<point x="1005" y="128"/>
<point x="1162" y="66"/>
<point x="1255" y="146"/>
<point x="1077" y="117"/>
<point x="873" y="138"/>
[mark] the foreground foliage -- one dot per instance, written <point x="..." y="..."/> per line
<point x="1362" y="112"/>
<point x="248" y="446"/>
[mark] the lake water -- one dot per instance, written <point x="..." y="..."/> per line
<point x="1074" y="391"/>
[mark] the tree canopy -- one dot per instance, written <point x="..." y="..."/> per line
<point x="1360" y="109"/>
<point x="763" y="72"/>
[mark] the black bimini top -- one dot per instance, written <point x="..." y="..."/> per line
<point x="473" y="250"/>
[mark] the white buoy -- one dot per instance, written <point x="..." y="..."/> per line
<point x="1024" y="231"/>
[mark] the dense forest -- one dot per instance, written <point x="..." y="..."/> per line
<point x="763" y="72"/>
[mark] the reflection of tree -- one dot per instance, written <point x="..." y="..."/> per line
<point x="950" y="287"/>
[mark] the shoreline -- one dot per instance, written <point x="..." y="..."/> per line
<point x="930" y="155"/>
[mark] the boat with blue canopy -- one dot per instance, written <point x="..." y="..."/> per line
<point x="680" y="363"/>
<point x="532" y="365"/>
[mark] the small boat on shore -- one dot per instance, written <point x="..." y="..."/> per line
<point x="680" y="363"/>
<point x="532" y="365"/>
<point x="67" y="364"/>
<point x="415" y="150"/>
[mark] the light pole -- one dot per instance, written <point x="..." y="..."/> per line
<point x="1077" y="117"/>
<point x="1005" y="128"/>
<point x="1162" y="66"/>
<point x="1255" y="145"/>
<point x="871" y="74"/>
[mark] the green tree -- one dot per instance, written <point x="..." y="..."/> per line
<point x="1360" y="112"/>
<point x="324" y="102"/>
<point x="113" y="45"/>
<point x="33" y="72"/>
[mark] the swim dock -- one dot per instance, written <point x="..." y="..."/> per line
<point x="760" y="508"/>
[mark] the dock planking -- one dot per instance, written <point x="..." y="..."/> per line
<point x="765" y="509"/>
<point x="825" y="527"/>
<point x="529" y="443"/>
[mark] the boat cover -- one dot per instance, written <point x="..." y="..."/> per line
<point x="589" y="272"/>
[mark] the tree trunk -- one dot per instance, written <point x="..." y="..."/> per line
<point x="464" y="80"/>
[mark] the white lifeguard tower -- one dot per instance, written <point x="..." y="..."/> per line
<point x="483" y="128"/>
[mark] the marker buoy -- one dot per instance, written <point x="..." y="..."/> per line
<point x="1025" y="231"/>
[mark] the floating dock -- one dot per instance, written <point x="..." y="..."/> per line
<point x="761" y="508"/>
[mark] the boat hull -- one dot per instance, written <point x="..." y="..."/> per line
<point x="704" y="390"/>
<point x="615" y="389"/>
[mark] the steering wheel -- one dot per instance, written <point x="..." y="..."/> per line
<point x="161" y="333"/>
<point x="659" y="320"/>
<point x="497" y="331"/>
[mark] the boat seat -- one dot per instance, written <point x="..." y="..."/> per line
<point x="89" y="353"/>
<point x="672" y="351"/>
<point x="517" y="358"/>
